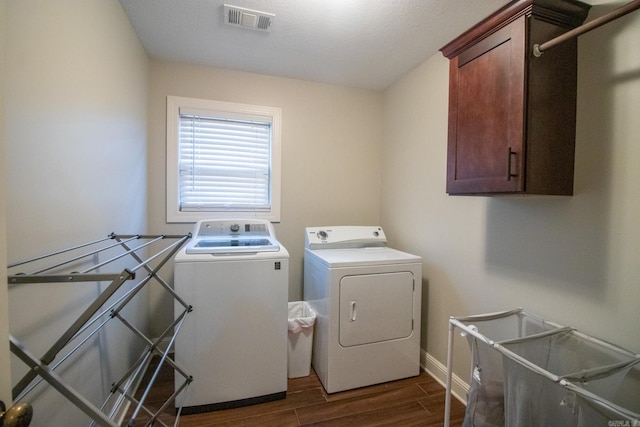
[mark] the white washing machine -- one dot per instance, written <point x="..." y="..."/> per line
<point x="234" y="342"/>
<point x="367" y="297"/>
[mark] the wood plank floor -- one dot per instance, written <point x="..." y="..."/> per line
<point x="417" y="401"/>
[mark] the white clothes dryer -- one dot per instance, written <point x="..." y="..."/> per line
<point x="367" y="297"/>
<point x="234" y="343"/>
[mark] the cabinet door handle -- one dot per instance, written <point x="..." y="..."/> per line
<point x="510" y="153"/>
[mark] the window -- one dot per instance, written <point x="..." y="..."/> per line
<point x="223" y="160"/>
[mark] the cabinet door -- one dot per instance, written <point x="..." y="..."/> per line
<point x="486" y="114"/>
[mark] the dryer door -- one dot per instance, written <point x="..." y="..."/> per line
<point x="376" y="307"/>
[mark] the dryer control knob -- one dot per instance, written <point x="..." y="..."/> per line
<point x="322" y="234"/>
<point x="234" y="227"/>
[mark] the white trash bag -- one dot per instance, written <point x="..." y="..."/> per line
<point x="301" y="321"/>
<point x="301" y="316"/>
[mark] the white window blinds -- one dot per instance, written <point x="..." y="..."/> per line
<point x="224" y="163"/>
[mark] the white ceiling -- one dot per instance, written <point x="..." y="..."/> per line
<point x="361" y="43"/>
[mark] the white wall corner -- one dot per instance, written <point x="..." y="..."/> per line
<point x="438" y="371"/>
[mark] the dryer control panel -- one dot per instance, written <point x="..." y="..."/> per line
<point x="344" y="236"/>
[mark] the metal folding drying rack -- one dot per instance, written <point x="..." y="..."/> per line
<point x="105" y="307"/>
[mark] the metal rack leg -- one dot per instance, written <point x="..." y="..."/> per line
<point x="39" y="368"/>
<point x="447" y="401"/>
<point x="73" y="329"/>
<point x="153" y="272"/>
<point x="152" y="346"/>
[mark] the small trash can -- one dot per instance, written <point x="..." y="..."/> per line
<point x="301" y="321"/>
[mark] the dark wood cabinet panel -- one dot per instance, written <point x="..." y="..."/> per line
<point x="486" y="114"/>
<point x="512" y="115"/>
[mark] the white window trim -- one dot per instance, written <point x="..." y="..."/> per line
<point x="174" y="103"/>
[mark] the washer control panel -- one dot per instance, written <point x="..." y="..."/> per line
<point x="221" y="228"/>
<point x="344" y="236"/>
<point x="225" y="237"/>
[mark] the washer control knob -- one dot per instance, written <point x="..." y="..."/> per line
<point x="322" y="234"/>
<point x="234" y="227"/>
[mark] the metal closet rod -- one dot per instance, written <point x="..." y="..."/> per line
<point x="539" y="49"/>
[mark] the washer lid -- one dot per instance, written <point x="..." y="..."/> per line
<point x="232" y="236"/>
<point x="232" y="245"/>
<point x="353" y="257"/>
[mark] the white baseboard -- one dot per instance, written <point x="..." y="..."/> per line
<point x="438" y="371"/>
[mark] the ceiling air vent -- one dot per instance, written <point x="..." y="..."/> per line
<point x="247" y="18"/>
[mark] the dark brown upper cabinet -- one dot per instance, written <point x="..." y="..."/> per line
<point x="512" y="116"/>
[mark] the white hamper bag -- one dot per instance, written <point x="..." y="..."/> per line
<point x="301" y="321"/>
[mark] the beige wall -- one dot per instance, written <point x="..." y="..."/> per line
<point x="75" y="134"/>
<point x="571" y="259"/>
<point x="331" y="138"/>
<point x="5" y="379"/>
